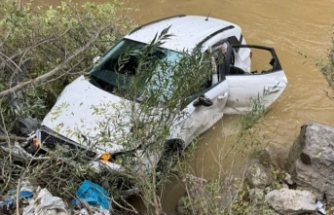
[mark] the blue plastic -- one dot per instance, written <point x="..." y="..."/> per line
<point x="8" y="203"/>
<point x="26" y="194"/>
<point x="93" y="194"/>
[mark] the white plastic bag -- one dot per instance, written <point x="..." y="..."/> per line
<point x="45" y="204"/>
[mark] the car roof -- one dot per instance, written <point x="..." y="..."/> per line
<point x="188" y="30"/>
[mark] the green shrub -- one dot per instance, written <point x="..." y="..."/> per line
<point x="46" y="37"/>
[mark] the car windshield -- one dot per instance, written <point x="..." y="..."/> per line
<point x="114" y="75"/>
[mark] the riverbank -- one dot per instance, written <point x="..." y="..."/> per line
<point x="301" y="187"/>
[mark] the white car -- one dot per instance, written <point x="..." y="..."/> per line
<point x="229" y="93"/>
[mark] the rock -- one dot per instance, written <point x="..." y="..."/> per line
<point x="258" y="175"/>
<point x="316" y="193"/>
<point x="268" y="156"/>
<point x="288" y="179"/>
<point x="311" y="159"/>
<point x="291" y="202"/>
<point x="256" y="199"/>
<point x="284" y="186"/>
<point x="274" y="155"/>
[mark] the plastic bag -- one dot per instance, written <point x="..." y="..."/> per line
<point x="93" y="194"/>
<point x="45" y="204"/>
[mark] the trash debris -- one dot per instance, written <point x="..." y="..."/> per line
<point x="91" y="211"/>
<point x="7" y="204"/>
<point x="321" y="208"/>
<point x="19" y="153"/>
<point x="45" y="204"/>
<point x="27" y="125"/>
<point x="26" y="193"/>
<point x="93" y="194"/>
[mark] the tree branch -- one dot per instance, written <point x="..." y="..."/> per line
<point x="54" y="71"/>
<point x="36" y="44"/>
<point x="6" y="38"/>
<point x="14" y="138"/>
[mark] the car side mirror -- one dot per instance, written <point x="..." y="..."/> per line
<point x="272" y="61"/>
<point x="96" y="59"/>
<point x="202" y="100"/>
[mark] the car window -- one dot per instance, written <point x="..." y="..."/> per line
<point x="114" y="74"/>
<point x="217" y="62"/>
<point x="111" y="61"/>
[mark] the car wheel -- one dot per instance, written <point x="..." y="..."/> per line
<point x="172" y="151"/>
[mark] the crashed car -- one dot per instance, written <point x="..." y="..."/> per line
<point x="230" y="91"/>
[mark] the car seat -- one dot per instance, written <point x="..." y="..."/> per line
<point x="236" y="71"/>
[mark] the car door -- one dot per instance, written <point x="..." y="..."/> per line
<point x="246" y="88"/>
<point x="206" y="107"/>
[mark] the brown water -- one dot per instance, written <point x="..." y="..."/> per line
<point x="290" y="26"/>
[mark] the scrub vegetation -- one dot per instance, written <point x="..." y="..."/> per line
<point x="44" y="49"/>
<point x="327" y="67"/>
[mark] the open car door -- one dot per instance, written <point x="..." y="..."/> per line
<point x="263" y="85"/>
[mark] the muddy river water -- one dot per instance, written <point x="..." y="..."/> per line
<point x="290" y="27"/>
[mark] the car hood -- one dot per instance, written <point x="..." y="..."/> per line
<point x="92" y="117"/>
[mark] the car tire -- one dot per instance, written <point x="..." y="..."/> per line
<point x="172" y="151"/>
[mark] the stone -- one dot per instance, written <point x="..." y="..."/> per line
<point x="256" y="200"/>
<point x="268" y="156"/>
<point x="273" y="154"/>
<point x="258" y="175"/>
<point x="311" y="160"/>
<point x="291" y="202"/>
<point x="284" y="186"/>
<point x="316" y="193"/>
<point x="288" y="179"/>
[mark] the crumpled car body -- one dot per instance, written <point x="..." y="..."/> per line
<point x="85" y="112"/>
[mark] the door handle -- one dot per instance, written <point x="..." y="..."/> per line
<point x="223" y="96"/>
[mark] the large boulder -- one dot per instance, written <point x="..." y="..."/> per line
<point x="291" y="202"/>
<point x="311" y="160"/>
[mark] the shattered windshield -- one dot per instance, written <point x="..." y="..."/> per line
<point x="117" y="68"/>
